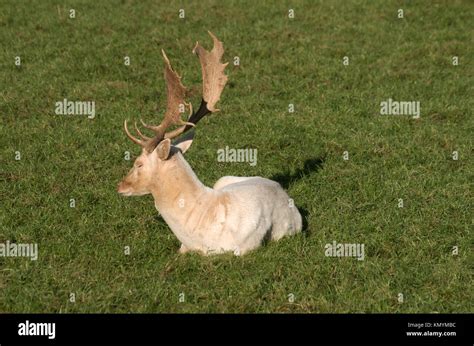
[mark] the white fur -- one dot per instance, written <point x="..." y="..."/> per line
<point x="256" y="208"/>
<point x="237" y="215"/>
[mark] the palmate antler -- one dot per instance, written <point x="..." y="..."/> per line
<point x="213" y="81"/>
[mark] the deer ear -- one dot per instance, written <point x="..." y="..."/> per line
<point x="163" y="149"/>
<point x="184" y="143"/>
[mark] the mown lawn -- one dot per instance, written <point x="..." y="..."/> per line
<point x="283" y="61"/>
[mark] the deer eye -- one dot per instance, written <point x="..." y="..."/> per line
<point x="138" y="165"/>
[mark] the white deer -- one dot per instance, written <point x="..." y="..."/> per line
<point x="238" y="213"/>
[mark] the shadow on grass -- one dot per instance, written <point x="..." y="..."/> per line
<point x="304" y="215"/>
<point x="310" y="166"/>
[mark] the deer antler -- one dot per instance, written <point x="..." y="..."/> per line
<point x="214" y="81"/>
<point x="213" y="77"/>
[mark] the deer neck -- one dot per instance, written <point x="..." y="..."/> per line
<point x="177" y="191"/>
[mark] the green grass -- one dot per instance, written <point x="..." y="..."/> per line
<point x="81" y="250"/>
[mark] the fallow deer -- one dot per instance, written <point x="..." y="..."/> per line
<point x="238" y="213"/>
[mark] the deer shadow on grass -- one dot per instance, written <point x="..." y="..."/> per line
<point x="310" y="166"/>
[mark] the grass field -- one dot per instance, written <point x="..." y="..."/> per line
<point x="283" y="61"/>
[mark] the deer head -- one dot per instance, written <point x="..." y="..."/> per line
<point x="154" y="162"/>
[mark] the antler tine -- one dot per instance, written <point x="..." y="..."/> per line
<point x="186" y="125"/>
<point x="142" y="136"/>
<point x="190" y="109"/>
<point x="134" y="139"/>
<point x="150" y="127"/>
